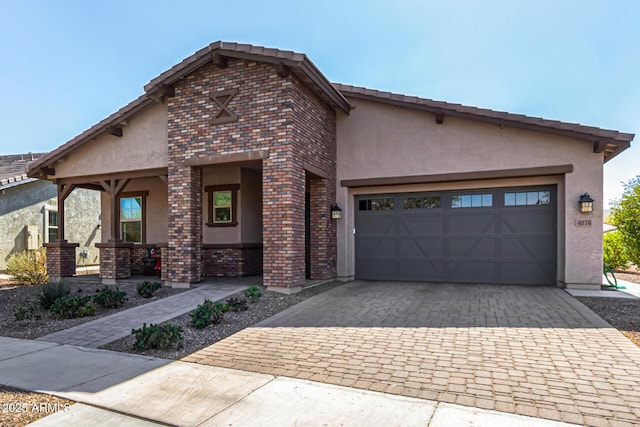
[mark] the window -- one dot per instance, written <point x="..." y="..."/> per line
<point x="381" y="204"/>
<point x="427" y="202"/>
<point x="51" y="224"/>
<point x="527" y="198"/>
<point x="222" y="205"/>
<point x="132" y="217"/>
<point x="472" y="201"/>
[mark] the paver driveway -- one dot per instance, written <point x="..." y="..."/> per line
<point x="527" y="350"/>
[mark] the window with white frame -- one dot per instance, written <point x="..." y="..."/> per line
<point x="50" y="224"/>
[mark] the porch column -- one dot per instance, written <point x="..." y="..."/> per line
<point x="183" y="263"/>
<point x="322" y="230"/>
<point x="61" y="255"/>
<point x="115" y="261"/>
<point x="115" y="255"/>
<point x="283" y="188"/>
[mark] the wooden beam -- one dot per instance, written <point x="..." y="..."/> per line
<point x="115" y="131"/>
<point x="218" y="60"/>
<point x="440" y="117"/>
<point x="281" y="69"/>
<point x="47" y="170"/>
<point x="599" y="147"/>
<point x="91" y="179"/>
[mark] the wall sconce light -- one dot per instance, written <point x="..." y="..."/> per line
<point x="585" y="203"/>
<point x="336" y="212"/>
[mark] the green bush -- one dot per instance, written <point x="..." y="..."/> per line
<point x="253" y="293"/>
<point x="614" y="250"/>
<point x="237" y="304"/>
<point x="147" y="289"/>
<point x="28" y="267"/>
<point x="50" y="292"/>
<point x="109" y="297"/>
<point x="157" y="336"/>
<point x="68" y="307"/>
<point x="26" y="311"/>
<point x="207" y="313"/>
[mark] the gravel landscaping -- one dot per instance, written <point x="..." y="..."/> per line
<point x="19" y="408"/>
<point x="11" y="296"/>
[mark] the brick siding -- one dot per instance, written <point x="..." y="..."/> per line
<point x="115" y="260"/>
<point x="61" y="259"/>
<point x="231" y="262"/>
<point x="275" y="113"/>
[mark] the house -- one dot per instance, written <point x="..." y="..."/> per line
<point x="235" y="161"/>
<point x="29" y="213"/>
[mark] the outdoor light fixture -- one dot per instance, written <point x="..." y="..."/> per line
<point x="585" y="203"/>
<point x="336" y="212"/>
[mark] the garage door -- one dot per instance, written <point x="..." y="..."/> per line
<point x="482" y="236"/>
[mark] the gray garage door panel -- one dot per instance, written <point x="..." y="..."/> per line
<point x="502" y="241"/>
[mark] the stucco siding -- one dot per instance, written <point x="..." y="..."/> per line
<point x="24" y="205"/>
<point x="378" y="141"/>
<point x="143" y="145"/>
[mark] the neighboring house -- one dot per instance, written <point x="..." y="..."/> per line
<point x="231" y="162"/>
<point x="29" y="213"/>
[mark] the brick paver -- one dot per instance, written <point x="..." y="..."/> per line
<point x="111" y="328"/>
<point x="527" y="350"/>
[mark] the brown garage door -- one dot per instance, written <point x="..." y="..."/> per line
<point x="482" y="236"/>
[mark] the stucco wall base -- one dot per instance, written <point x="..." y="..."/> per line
<point x="179" y="285"/>
<point x="587" y="286"/>
<point x="285" y="290"/>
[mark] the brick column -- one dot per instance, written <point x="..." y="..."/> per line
<point x="323" y="231"/>
<point x="115" y="261"/>
<point x="283" y="185"/>
<point x="61" y="259"/>
<point x="183" y="263"/>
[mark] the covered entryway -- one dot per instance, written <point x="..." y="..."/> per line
<point x="503" y="235"/>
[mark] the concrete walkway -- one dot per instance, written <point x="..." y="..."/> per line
<point x="532" y="351"/>
<point x="131" y="390"/>
<point x="107" y="329"/>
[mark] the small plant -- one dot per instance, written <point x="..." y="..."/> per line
<point x="26" y="311"/>
<point x="157" y="336"/>
<point x="109" y="297"/>
<point x="146" y="289"/>
<point x="208" y="313"/>
<point x="50" y="292"/>
<point x="253" y="293"/>
<point x="237" y="304"/>
<point x="28" y="267"/>
<point x="68" y="307"/>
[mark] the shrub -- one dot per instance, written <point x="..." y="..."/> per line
<point x="146" y="289"/>
<point x="253" y="293"/>
<point x="50" y="292"/>
<point x="28" y="267"/>
<point x="207" y="313"/>
<point x="614" y="251"/>
<point x="237" y="304"/>
<point x="157" y="336"/>
<point x="68" y="307"/>
<point x="26" y="311"/>
<point x="108" y="297"/>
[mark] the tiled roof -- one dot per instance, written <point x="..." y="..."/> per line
<point x="333" y="93"/>
<point x="616" y="141"/>
<point x="13" y="168"/>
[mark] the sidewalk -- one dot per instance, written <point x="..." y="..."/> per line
<point x="131" y="390"/>
<point x="110" y="328"/>
<point x="632" y="291"/>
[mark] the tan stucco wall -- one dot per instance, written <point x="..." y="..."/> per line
<point x="220" y="175"/>
<point x="157" y="218"/>
<point x="251" y="202"/>
<point x="378" y="140"/>
<point x="143" y="145"/>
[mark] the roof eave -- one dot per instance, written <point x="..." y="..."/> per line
<point x="619" y="140"/>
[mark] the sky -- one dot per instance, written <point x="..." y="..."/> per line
<point x="65" y="65"/>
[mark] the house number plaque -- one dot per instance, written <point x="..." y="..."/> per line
<point x="584" y="223"/>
